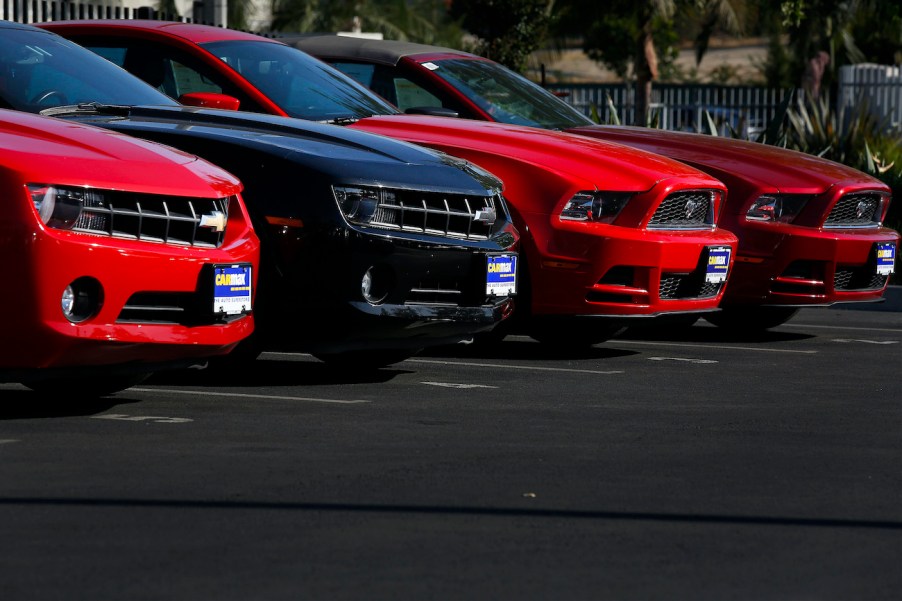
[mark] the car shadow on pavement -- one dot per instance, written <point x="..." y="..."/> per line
<point x="275" y="372"/>
<point x="702" y="333"/>
<point x="515" y="348"/>
<point x="26" y="404"/>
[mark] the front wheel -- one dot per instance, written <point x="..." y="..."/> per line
<point x="747" y="320"/>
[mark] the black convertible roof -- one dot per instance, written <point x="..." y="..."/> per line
<point x="386" y="52"/>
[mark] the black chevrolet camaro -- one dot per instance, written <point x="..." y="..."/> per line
<point x="372" y="248"/>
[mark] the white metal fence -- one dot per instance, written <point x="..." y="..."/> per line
<point x="875" y="88"/>
<point x="212" y="12"/>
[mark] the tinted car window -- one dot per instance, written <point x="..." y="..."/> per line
<point x="167" y="69"/>
<point x="39" y="71"/>
<point x="506" y="96"/>
<point x="301" y="85"/>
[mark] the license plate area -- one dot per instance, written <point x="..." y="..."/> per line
<point x="886" y="258"/>
<point x="501" y="275"/>
<point x="718" y="264"/>
<point x="232" y="289"/>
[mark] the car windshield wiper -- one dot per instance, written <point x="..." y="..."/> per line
<point x="95" y="108"/>
<point x="342" y="120"/>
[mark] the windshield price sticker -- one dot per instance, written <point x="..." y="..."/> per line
<point x="886" y="258"/>
<point x="232" y="289"/>
<point x="501" y="275"/>
<point x="718" y="264"/>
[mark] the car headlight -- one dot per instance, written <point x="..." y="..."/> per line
<point x="597" y="207"/>
<point x="778" y="209"/>
<point x="62" y="208"/>
<point x="361" y="204"/>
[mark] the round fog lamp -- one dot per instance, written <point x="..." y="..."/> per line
<point x="81" y="299"/>
<point x="68" y="301"/>
<point x="373" y="286"/>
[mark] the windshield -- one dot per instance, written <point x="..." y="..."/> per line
<point x="302" y="86"/>
<point x="41" y="70"/>
<point x="508" y="97"/>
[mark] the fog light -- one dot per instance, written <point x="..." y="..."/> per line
<point x="81" y="299"/>
<point x="374" y="286"/>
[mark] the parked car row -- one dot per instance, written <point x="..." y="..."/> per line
<point x="360" y="233"/>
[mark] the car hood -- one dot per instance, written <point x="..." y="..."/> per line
<point x="598" y="163"/>
<point x="764" y="166"/>
<point x="347" y="155"/>
<point x="51" y="151"/>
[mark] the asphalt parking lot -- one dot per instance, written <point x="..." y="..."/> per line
<point x="679" y="466"/>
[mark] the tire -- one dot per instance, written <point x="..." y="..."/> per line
<point x="748" y="320"/>
<point x="95" y="387"/>
<point x="368" y="359"/>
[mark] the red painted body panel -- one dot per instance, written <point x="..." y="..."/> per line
<point x="44" y="260"/>
<point x="541" y="171"/>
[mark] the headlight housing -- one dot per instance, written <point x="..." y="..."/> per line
<point x="61" y="208"/>
<point x="360" y="204"/>
<point x="596" y="207"/>
<point x="776" y="209"/>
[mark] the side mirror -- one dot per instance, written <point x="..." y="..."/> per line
<point x="435" y="111"/>
<point x="210" y="100"/>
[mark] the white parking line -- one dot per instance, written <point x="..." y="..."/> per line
<point x="710" y="346"/>
<point x="527" y="367"/>
<point x="682" y="359"/>
<point x="866" y="341"/>
<point x="245" y="396"/>
<point x="805" y="325"/>
<point x="456" y="385"/>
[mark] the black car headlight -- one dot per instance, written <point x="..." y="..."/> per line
<point x="597" y="207"/>
<point x="62" y="208"/>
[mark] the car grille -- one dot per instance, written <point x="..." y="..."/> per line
<point x="472" y="218"/>
<point x="858" y="278"/>
<point x="685" y="210"/>
<point x="682" y="286"/>
<point x="855" y="210"/>
<point x="197" y="222"/>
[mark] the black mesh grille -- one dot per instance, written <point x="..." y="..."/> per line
<point x="855" y="210"/>
<point x="198" y="222"/>
<point x="685" y="210"/>
<point x="682" y="286"/>
<point x="858" y="278"/>
<point x="470" y="217"/>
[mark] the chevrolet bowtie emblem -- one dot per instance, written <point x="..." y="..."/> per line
<point x="485" y="215"/>
<point x="216" y="221"/>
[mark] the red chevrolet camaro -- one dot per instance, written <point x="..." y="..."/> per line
<point x="810" y="230"/>
<point x="124" y="257"/>
<point x="608" y="233"/>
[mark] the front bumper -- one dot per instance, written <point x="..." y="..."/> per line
<point x="39" y="336"/>
<point x="424" y="292"/>
<point x="623" y="272"/>
<point x="806" y="267"/>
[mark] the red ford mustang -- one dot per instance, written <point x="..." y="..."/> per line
<point x="809" y="229"/>
<point x="608" y="232"/>
<point x="123" y="257"/>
